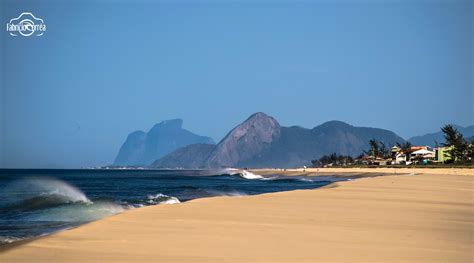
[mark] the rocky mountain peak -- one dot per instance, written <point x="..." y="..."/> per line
<point x="249" y="138"/>
<point x="142" y="148"/>
<point x="173" y="124"/>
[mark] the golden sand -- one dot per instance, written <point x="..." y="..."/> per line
<point x="421" y="218"/>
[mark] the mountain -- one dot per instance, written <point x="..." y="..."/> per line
<point x="252" y="137"/>
<point x="141" y="148"/>
<point x="297" y="146"/>
<point x="191" y="156"/>
<point x="430" y="139"/>
<point x="260" y="141"/>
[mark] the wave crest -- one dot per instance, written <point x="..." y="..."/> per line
<point x="248" y="175"/>
<point x="38" y="193"/>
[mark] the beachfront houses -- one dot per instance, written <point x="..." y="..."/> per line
<point x="416" y="155"/>
<point x="398" y="157"/>
<point x="422" y="156"/>
<point x="442" y="154"/>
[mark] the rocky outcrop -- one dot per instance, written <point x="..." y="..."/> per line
<point x="246" y="141"/>
<point x="191" y="156"/>
<point x="141" y="149"/>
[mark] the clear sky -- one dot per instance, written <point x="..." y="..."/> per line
<point x="106" y="68"/>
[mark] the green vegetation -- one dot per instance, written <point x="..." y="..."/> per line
<point x="378" y="149"/>
<point x="459" y="149"/>
<point x="333" y="160"/>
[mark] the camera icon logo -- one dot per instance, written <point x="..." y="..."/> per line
<point x="26" y="25"/>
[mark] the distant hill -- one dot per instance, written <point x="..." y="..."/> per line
<point x="191" y="156"/>
<point x="141" y="148"/>
<point x="430" y="139"/>
<point x="260" y="141"/>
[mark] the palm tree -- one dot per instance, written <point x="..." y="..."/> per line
<point x="406" y="149"/>
<point x="374" y="148"/>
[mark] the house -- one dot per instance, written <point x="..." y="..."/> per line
<point x="381" y="161"/>
<point x="416" y="148"/>
<point x="422" y="155"/>
<point x="399" y="158"/>
<point x="442" y="154"/>
<point x="417" y="153"/>
<point x="394" y="151"/>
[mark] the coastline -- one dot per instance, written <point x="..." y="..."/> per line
<point x="421" y="218"/>
<point x="365" y="171"/>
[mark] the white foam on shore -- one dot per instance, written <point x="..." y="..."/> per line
<point x="226" y="193"/>
<point x="248" y="175"/>
<point x="160" y="199"/>
<point x="9" y="239"/>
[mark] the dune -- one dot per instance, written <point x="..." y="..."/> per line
<point x="390" y="218"/>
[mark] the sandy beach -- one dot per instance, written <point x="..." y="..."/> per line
<point x="426" y="217"/>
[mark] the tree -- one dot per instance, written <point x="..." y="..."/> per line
<point x="470" y="149"/>
<point x="374" y="148"/>
<point x="406" y="149"/>
<point x="333" y="159"/>
<point x="384" y="151"/>
<point x="457" y="146"/>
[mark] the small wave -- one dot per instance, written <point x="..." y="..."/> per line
<point x="225" y="193"/>
<point x="242" y="173"/>
<point x="9" y="239"/>
<point x="249" y="175"/>
<point x="159" y="199"/>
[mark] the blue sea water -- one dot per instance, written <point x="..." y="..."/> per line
<point x="38" y="202"/>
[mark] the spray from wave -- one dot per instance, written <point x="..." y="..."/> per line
<point x="48" y="199"/>
<point x="37" y="206"/>
<point x="39" y="193"/>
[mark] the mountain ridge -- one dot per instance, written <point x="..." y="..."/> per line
<point x="431" y="139"/>
<point x="260" y="141"/>
<point x="142" y="148"/>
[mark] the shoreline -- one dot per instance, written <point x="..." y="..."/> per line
<point x="427" y="217"/>
<point x="364" y="171"/>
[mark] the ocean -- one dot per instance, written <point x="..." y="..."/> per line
<point x="39" y="202"/>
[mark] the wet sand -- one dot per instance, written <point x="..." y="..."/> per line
<point x="420" y="218"/>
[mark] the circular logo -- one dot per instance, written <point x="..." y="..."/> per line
<point x="27" y="27"/>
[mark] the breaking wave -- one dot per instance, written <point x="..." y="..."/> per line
<point x="249" y="175"/>
<point x="242" y="173"/>
<point x="39" y="193"/>
<point x="47" y="199"/>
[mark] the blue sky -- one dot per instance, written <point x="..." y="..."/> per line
<point x="106" y="68"/>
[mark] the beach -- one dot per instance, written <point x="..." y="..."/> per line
<point x="410" y="216"/>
